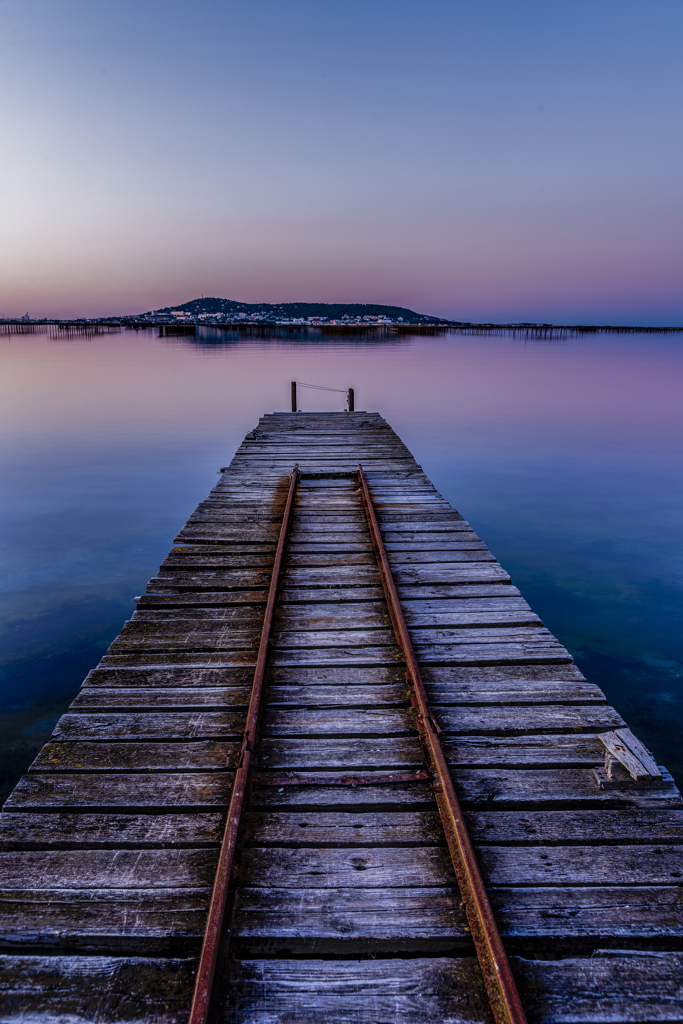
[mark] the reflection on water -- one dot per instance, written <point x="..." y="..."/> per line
<point x="564" y="453"/>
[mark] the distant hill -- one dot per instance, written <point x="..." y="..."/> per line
<point x="295" y="310"/>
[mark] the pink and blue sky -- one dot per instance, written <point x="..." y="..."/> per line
<point x="476" y="159"/>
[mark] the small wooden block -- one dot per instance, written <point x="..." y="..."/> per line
<point x="624" y="753"/>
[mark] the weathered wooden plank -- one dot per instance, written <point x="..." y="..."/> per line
<point x="196" y="659"/>
<point x="403" y="751"/>
<point x="507" y="655"/>
<point x="462" y="617"/>
<point x="214" y="525"/>
<point x="534" y="751"/>
<point x="437" y="675"/>
<point x="582" y="865"/>
<point x="426" y="919"/>
<point x="211" y="698"/>
<point x="581" y="918"/>
<point x="180" y="792"/>
<point x="197" y="755"/>
<point x="201" y="634"/>
<point x="621" y="988"/>
<point x="126" y="920"/>
<point x="144" y="636"/>
<point x="528" y="789"/>
<point x="571" y="792"/>
<point x="431" y="573"/>
<point x="338" y="828"/>
<point x="226" y="598"/>
<point x="229" y="558"/>
<point x="578" y="826"/>
<point x="314" y="541"/>
<point x="465" y="654"/>
<point x="165" y="676"/>
<point x="236" y="579"/>
<point x="104" y="869"/>
<point x="190" y="725"/>
<point x="358" y="867"/>
<point x="251" y="467"/>
<point x="350" y="637"/>
<point x="401" y="867"/>
<point x="241" y="616"/>
<point x="506" y="692"/>
<point x="66" y="989"/>
<point x="204" y="599"/>
<point x="309" y="615"/>
<point x="619" y="985"/>
<point x="69" y="831"/>
<point x="355" y="554"/>
<point x="297" y="920"/>
<point x="512" y="721"/>
<point x="208" y="598"/>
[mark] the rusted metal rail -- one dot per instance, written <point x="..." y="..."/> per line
<point x="495" y="967"/>
<point x="201" y="999"/>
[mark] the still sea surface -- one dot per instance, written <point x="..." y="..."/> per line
<point x="565" y="455"/>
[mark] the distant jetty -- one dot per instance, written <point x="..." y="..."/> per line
<point x="190" y="328"/>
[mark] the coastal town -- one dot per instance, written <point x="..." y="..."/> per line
<point x="328" y="317"/>
<point x="226" y="312"/>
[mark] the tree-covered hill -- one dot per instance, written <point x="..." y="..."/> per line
<point x="295" y="310"/>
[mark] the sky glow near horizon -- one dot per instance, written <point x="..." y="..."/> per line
<point x="475" y="159"/>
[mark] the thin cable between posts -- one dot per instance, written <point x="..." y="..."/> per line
<point x="318" y="387"/>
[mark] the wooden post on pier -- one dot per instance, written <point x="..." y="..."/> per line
<point x="350" y="399"/>
<point x="293" y="396"/>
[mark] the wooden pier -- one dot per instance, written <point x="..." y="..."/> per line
<point x="343" y="905"/>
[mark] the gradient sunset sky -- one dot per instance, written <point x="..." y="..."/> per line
<point x="477" y="159"/>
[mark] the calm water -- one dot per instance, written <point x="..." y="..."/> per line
<point x="565" y="456"/>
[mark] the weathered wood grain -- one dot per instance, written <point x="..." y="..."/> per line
<point x="199" y="755"/>
<point x="125" y="920"/>
<point x="335" y="828"/>
<point x="463" y="721"/>
<point x="191" y="725"/>
<point x="104" y="869"/>
<point x="168" y="676"/>
<point x="210" y="698"/>
<point x="299" y="921"/>
<point x="353" y="576"/>
<point x="425" y="990"/>
<point x="529" y="653"/>
<point x="531" y="751"/>
<point x="487" y="788"/>
<point x="572" y="918"/>
<point x="496" y="789"/>
<point x="477" y="678"/>
<point x="382" y="867"/>
<point x="97" y="989"/>
<point x="119" y="792"/>
<point x="503" y="693"/>
<point x="68" y="831"/>
<point x="578" y="826"/>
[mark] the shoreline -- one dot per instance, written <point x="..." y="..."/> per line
<point x="189" y="327"/>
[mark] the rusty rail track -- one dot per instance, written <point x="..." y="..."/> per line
<point x="495" y="967"/>
<point x="201" y="999"/>
<point x="499" y="982"/>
